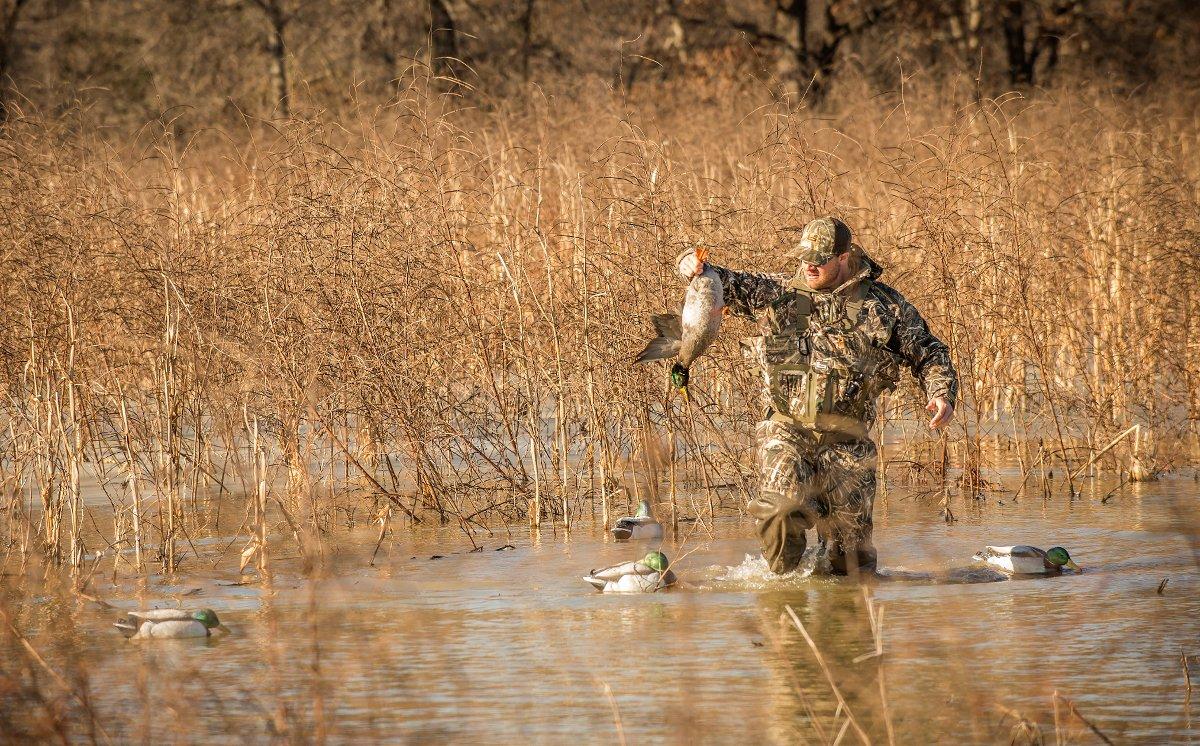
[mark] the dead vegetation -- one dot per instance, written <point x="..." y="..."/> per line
<point x="436" y="309"/>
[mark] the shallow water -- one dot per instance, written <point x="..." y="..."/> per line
<point x="511" y="644"/>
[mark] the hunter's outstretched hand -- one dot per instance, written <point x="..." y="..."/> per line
<point x="943" y="412"/>
<point x="690" y="266"/>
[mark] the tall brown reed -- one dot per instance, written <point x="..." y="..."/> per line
<point x="437" y="308"/>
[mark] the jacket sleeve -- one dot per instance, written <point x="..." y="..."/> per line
<point x="925" y="354"/>
<point x="746" y="293"/>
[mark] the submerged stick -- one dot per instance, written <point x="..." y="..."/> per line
<point x="33" y="653"/>
<point x="1187" y="674"/>
<point x="1075" y="711"/>
<point x="828" y="675"/>
<point x="612" y="702"/>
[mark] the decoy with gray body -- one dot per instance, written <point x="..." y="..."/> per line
<point x="169" y="623"/>
<point x="1021" y="559"/>
<point x="646" y="575"/>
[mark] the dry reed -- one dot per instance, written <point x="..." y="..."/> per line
<point x="434" y="310"/>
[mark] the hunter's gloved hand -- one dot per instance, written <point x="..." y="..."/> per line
<point x="689" y="266"/>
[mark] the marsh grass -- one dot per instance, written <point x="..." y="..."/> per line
<point x="430" y="310"/>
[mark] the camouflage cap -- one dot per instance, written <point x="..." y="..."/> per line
<point x="822" y="240"/>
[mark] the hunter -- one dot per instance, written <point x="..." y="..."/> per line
<point x="833" y="338"/>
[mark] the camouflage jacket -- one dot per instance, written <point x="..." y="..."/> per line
<point x="859" y="334"/>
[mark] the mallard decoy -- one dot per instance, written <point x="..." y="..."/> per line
<point x="169" y="623"/>
<point x="1026" y="560"/>
<point x="641" y="526"/>
<point x="646" y="575"/>
<point x="687" y="335"/>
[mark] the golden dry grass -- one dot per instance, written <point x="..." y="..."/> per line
<point x="435" y="309"/>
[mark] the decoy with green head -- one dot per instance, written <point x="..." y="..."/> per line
<point x="641" y="526"/>
<point x="1026" y="560"/>
<point x="169" y="623"/>
<point x="647" y="575"/>
<point x="688" y="335"/>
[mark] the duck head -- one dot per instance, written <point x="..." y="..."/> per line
<point x="1059" y="557"/>
<point x="657" y="560"/>
<point x="209" y="619"/>
<point x="679" y="380"/>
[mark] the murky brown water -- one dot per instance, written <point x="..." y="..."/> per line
<point x="511" y="645"/>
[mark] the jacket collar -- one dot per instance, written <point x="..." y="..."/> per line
<point x="869" y="270"/>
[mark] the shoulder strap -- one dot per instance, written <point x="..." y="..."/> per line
<point x="854" y="304"/>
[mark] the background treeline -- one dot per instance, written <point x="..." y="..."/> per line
<point x="204" y="62"/>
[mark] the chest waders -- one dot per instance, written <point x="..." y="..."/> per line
<point x="823" y="374"/>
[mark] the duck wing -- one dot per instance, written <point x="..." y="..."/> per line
<point x="616" y="572"/>
<point x="133" y="620"/>
<point x="1022" y="550"/>
<point x="1017" y="550"/>
<point x="669" y="328"/>
<point x="162" y="615"/>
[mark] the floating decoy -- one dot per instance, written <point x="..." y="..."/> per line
<point x="1026" y="560"/>
<point x="646" y="575"/>
<point x="169" y="623"/>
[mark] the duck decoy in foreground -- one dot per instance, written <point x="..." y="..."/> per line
<point x="641" y="526"/>
<point x="1026" y="560"/>
<point x="687" y="335"/>
<point x="169" y="623"/>
<point x="646" y="575"/>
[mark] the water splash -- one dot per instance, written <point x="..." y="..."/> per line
<point x="753" y="573"/>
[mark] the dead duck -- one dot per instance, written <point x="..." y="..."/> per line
<point x="687" y="335"/>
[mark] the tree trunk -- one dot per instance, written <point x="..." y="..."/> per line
<point x="812" y="37"/>
<point x="443" y="40"/>
<point x="279" y="72"/>
<point x="278" y="19"/>
<point x="390" y="40"/>
<point x="8" y="26"/>
<point x="1020" y="60"/>
<point x="526" y="38"/>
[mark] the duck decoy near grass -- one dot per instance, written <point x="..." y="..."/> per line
<point x="641" y="526"/>
<point x="687" y="335"/>
<point x="169" y="623"/>
<point x="646" y="575"/>
<point x="1027" y="560"/>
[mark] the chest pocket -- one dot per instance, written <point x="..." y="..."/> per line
<point x="824" y="377"/>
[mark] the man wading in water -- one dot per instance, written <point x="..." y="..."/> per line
<point x="833" y="339"/>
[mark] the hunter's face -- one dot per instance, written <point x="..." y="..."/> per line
<point x="824" y="276"/>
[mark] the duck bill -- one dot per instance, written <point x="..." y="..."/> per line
<point x="1071" y="564"/>
<point x="223" y="628"/>
<point x="684" y="393"/>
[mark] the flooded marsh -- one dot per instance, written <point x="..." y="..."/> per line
<point x="435" y="641"/>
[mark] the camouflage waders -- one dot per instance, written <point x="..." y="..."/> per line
<point x="813" y="482"/>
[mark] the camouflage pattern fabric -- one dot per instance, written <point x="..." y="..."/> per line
<point x="819" y="471"/>
<point x="822" y="240"/>
<point x="805" y="483"/>
<point x="751" y="295"/>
